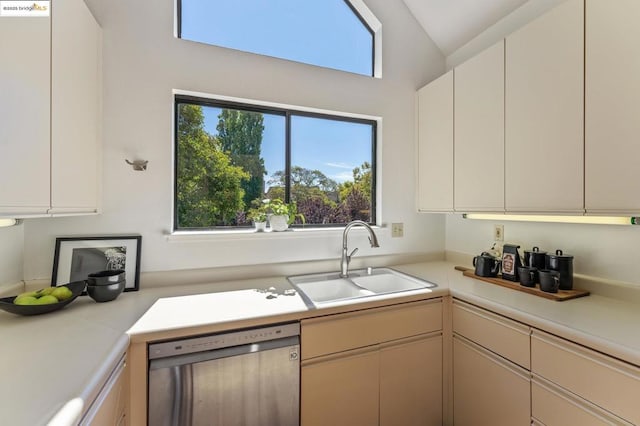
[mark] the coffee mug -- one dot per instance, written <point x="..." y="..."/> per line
<point x="528" y="276"/>
<point x="549" y="280"/>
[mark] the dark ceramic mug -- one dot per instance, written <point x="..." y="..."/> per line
<point x="528" y="276"/>
<point x="549" y="280"/>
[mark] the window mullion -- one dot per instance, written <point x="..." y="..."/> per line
<point x="287" y="159"/>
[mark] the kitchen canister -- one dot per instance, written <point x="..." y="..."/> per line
<point x="535" y="258"/>
<point x="562" y="263"/>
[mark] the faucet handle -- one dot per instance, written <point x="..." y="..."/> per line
<point x="352" y="253"/>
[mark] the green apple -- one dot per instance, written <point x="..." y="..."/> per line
<point x="46" y="300"/>
<point x="25" y="300"/>
<point x="46" y="291"/>
<point x="62" y="293"/>
<point x="28" y="294"/>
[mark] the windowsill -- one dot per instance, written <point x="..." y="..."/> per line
<point x="248" y="234"/>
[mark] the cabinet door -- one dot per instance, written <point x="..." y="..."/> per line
<point x="341" y="389"/>
<point x="411" y="382"/>
<point x="109" y="407"/>
<point x="612" y="90"/>
<point x="435" y="145"/>
<point x="487" y="389"/>
<point x="479" y="132"/>
<point x="24" y="115"/>
<point x="75" y="100"/>
<point x="544" y="109"/>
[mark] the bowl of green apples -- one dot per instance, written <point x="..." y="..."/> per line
<point x="43" y="301"/>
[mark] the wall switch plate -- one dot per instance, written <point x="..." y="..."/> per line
<point x="498" y="232"/>
<point x="397" y="230"/>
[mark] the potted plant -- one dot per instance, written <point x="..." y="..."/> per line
<point x="259" y="217"/>
<point x="282" y="214"/>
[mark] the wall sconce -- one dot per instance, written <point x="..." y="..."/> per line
<point x="596" y="220"/>
<point x="138" y="165"/>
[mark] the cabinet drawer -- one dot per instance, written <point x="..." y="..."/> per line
<point x="336" y="333"/>
<point x="553" y="406"/>
<point x="501" y="335"/>
<point x="602" y="380"/>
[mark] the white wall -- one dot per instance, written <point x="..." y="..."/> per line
<point x="604" y="251"/>
<point x="516" y="19"/>
<point x="143" y="62"/>
<point x="11" y="254"/>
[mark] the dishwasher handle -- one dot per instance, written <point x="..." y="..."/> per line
<point x="197" y="357"/>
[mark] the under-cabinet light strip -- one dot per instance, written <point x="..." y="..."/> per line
<point x="597" y="220"/>
<point x="8" y="222"/>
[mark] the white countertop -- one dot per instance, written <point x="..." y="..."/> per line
<point x="48" y="360"/>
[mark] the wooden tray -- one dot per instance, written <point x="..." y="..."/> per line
<point x="560" y="296"/>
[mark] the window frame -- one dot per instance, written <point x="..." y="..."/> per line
<point x="287" y="113"/>
<point x="374" y="33"/>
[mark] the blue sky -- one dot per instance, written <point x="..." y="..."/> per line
<point x="333" y="147"/>
<point x="319" y="32"/>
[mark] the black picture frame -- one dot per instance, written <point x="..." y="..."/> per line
<point x="76" y="257"/>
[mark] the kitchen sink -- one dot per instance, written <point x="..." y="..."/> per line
<point x="329" y="288"/>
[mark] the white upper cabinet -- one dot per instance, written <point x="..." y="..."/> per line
<point x="50" y="96"/>
<point x="544" y="110"/>
<point x="479" y="132"/>
<point x="75" y="108"/>
<point x="24" y="114"/>
<point x="612" y="107"/>
<point x="435" y="145"/>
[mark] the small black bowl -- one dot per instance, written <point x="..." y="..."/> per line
<point x="6" y="303"/>
<point x="106" y="293"/>
<point x="106" y="277"/>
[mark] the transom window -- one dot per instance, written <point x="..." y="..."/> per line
<point x="230" y="157"/>
<point x="327" y="33"/>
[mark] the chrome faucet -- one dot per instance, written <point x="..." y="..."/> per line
<point x="346" y="258"/>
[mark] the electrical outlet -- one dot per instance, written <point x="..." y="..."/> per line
<point x="498" y="232"/>
<point x="397" y="230"/>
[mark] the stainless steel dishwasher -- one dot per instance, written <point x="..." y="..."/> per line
<point x="246" y="377"/>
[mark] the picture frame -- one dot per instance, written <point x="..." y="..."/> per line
<point x="76" y="257"/>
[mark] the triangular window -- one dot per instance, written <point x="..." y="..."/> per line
<point x="327" y="33"/>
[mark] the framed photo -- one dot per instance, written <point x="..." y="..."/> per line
<point x="77" y="257"/>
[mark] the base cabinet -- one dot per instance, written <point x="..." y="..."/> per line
<point x="110" y="406"/>
<point x="411" y="383"/>
<point x="487" y="389"/>
<point x="554" y="406"/>
<point x="341" y="390"/>
<point x="599" y="379"/>
<point x="392" y="377"/>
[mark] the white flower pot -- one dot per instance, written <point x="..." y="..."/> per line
<point x="279" y="222"/>
<point x="260" y="226"/>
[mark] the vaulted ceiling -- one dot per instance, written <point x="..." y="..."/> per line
<point x="453" y="23"/>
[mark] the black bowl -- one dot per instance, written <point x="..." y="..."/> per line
<point x="106" y="293"/>
<point x="6" y="303"/>
<point x="106" y="277"/>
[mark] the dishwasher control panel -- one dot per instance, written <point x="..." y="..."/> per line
<point x="222" y="340"/>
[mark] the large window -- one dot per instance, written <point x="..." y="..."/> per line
<point x="230" y="157"/>
<point x="328" y="33"/>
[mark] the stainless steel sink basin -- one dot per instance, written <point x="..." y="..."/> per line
<point x="329" y="288"/>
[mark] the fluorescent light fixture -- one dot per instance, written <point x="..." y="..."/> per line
<point x="8" y="222"/>
<point x="597" y="220"/>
